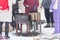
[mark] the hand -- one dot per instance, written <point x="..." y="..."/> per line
<point x="27" y="6"/>
<point x="40" y="6"/>
<point x="50" y="10"/>
<point x="19" y="10"/>
<point x="0" y="7"/>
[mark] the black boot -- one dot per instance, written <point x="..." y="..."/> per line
<point x="52" y="24"/>
<point x="7" y="29"/>
<point x="48" y="25"/>
<point x="6" y="36"/>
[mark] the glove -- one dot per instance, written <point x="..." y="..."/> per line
<point x="19" y="11"/>
<point x="50" y="10"/>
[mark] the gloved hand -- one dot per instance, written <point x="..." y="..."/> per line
<point x="20" y="11"/>
<point x="50" y="10"/>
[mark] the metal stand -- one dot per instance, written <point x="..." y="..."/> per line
<point x="35" y="17"/>
<point x="40" y="29"/>
<point x="36" y="24"/>
<point x="20" y="19"/>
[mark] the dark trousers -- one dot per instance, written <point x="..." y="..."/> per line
<point x="49" y="16"/>
<point x="6" y="28"/>
<point x="13" y="24"/>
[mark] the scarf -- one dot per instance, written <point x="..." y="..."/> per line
<point x="55" y="6"/>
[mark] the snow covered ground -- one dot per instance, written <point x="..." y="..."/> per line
<point x="46" y="31"/>
<point x="46" y="35"/>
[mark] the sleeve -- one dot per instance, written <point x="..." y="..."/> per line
<point x="52" y="4"/>
<point x="42" y="3"/>
<point x="13" y="1"/>
<point x="10" y="3"/>
<point x="25" y="3"/>
<point x="37" y="3"/>
<point x="10" y="6"/>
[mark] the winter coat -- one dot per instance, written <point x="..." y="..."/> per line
<point x="32" y="4"/>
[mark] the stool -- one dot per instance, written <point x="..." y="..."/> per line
<point x="35" y="17"/>
<point x="21" y="18"/>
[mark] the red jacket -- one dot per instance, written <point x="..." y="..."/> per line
<point x="4" y="4"/>
<point x="31" y="4"/>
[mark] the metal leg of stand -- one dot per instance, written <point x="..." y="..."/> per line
<point x="40" y="29"/>
<point x="17" y="28"/>
<point x="37" y="25"/>
<point x="27" y="27"/>
<point x="21" y="29"/>
<point x="34" y="26"/>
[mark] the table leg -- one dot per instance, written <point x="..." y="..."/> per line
<point x="16" y="28"/>
<point x="21" y="28"/>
